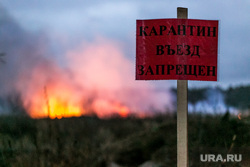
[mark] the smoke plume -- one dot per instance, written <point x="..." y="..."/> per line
<point x="95" y="78"/>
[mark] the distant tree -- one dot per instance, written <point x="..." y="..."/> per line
<point x="16" y="104"/>
<point x="238" y="97"/>
<point x="195" y="95"/>
<point x="173" y="92"/>
<point x="1" y="58"/>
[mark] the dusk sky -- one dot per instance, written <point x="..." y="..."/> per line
<point x="66" y="24"/>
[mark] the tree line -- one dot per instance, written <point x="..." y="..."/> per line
<point x="233" y="97"/>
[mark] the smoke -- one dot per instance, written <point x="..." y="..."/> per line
<point x="105" y="68"/>
<point x="22" y="51"/>
<point x="214" y="102"/>
<point x="96" y="76"/>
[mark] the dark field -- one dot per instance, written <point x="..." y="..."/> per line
<point x="130" y="142"/>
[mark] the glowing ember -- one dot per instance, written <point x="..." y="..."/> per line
<point x="239" y="116"/>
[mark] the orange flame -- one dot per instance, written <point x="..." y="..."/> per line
<point x="105" y="108"/>
<point x="101" y="68"/>
<point x="58" y="103"/>
<point x="61" y="101"/>
<point x="58" y="108"/>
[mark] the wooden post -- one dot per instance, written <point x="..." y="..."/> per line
<point x="182" y="111"/>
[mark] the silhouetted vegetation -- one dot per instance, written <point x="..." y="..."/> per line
<point x="89" y="141"/>
<point x="94" y="142"/>
<point x="195" y="95"/>
<point x="1" y="58"/>
<point x="236" y="97"/>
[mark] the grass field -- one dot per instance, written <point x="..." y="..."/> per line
<point x="129" y="142"/>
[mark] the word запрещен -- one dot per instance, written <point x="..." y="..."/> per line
<point x="196" y="70"/>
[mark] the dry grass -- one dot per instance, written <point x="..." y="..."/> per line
<point x="92" y="142"/>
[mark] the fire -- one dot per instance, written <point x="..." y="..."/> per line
<point x="58" y="108"/>
<point x="239" y="116"/>
<point x="94" y="78"/>
<point x="60" y="100"/>
<point x="58" y="103"/>
<point x="123" y="111"/>
<point x="104" y="108"/>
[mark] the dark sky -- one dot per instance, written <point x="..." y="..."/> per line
<point x="66" y="23"/>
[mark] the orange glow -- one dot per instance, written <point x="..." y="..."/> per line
<point x="104" y="108"/>
<point x="58" y="101"/>
<point x="55" y="108"/>
<point x="239" y="116"/>
<point x="123" y="111"/>
<point x="96" y="78"/>
<point x="58" y="109"/>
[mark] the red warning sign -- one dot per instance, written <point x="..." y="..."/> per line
<point x="183" y="49"/>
